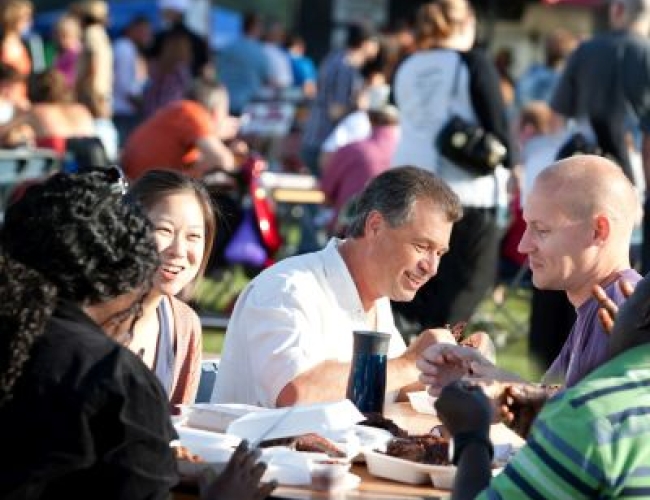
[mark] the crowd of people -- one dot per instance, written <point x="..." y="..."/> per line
<point x="98" y="265"/>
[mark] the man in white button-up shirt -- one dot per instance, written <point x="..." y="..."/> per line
<point x="290" y="338"/>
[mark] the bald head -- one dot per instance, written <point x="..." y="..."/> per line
<point x="584" y="186"/>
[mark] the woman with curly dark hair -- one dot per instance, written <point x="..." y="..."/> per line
<point x="83" y="417"/>
<point x="168" y="336"/>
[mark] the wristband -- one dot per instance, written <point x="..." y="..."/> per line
<point x="462" y="439"/>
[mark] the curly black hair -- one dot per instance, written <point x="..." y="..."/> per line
<point x="71" y="237"/>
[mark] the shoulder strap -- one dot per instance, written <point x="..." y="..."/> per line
<point x="454" y="88"/>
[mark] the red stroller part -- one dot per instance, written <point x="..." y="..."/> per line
<point x="264" y="211"/>
<point x="257" y="237"/>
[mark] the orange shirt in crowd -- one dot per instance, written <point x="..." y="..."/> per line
<point x="167" y="139"/>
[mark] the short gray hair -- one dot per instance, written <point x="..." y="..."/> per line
<point x="207" y="93"/>
<point x="394" y="193"/>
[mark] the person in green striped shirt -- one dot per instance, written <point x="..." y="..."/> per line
<point x="589" y="441"/>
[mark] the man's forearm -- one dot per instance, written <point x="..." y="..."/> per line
<point x="328" y="381"/>
<point x="401" y="373"/>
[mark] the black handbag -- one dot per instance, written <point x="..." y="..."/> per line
<point x="469" y="145"/>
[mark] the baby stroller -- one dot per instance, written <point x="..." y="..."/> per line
<point x="249" y="232"/>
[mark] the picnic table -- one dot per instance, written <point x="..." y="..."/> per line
<point x="372" y="487"/>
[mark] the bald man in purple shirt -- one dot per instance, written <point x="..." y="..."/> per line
<point x="579" y="218"/>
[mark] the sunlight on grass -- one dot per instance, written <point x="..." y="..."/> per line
<point x="213" y="340"/>
<point x="507" y="324"/>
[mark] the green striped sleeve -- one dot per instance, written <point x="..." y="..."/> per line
<point x="590" y="442"/>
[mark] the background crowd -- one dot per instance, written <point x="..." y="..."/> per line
<point x="408" y="240"/>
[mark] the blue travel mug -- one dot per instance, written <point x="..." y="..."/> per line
<point x="367" y="382"/>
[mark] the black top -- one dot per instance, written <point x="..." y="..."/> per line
<point x="87" y="420"/>
<point x="606" y="80"/>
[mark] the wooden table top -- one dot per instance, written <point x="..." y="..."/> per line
<point x="376" y="488"/>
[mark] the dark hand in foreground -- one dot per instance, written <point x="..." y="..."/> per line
<point x="521" y="403"/>
<point x="608" y="309"/>
<point x="464" y="407"/>
<point x="465" y="411"/>
<point x="240" y="480"/>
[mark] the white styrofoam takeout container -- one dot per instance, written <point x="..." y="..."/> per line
<point x="217" y="417"/>
<point x="320" y="418"/>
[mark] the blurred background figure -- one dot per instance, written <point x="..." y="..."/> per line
<point x="339" y="82"/>
<point x="184" y="135"/>
<point x="398" y="42"/>
<point x="243" y="66"/>
<point x="353" y="166"/>
<point x="503" y="62"/>
<point x="280" y="70"/>
<point x="302" y="66"/>
<point x="355" y="125"/>
<point x="448" y="76"/>
<point x="67" y="36"/>
<point x="130" y="74"/>
<point x="173" y="13"/>
<point x="12" y="97"/>
<point x="15" y="22"/>
<point x="538" y="81"/>
<point x="338" y="86"/>
<point x="95" y="69"/>
<point x="170" y="72"/>
<point x="54" y="116"/>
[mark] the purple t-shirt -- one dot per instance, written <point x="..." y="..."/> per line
<point x="586" y="346"/>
